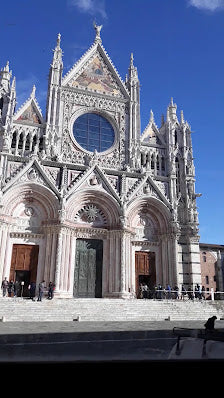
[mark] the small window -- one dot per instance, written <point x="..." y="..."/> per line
<point x="204" y="257"/>
<point x="207" y="279"/>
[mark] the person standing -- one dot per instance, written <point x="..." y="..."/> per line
<point x="16" y="289"/>
<point x="40" y="290"/>
<point x="5" y="285"/>
<point x="168" y="291"/>
<point x="145" y="291"/>
<point x="203" y="293"/>
<point x="32" y="290"/>
<point x="11" y="289"/>
<point x="183" y="292"/>
<point x="51" y="290"/>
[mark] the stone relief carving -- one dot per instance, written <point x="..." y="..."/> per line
<point x="29" y="211"/>
<point x="34" y="176"/>
<point x="91" y="214"/>
<point x="145" y="228"/>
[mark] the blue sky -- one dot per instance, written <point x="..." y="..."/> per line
<point x="178" y="50"/>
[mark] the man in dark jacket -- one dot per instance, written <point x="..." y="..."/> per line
<point x="41" y="291"/>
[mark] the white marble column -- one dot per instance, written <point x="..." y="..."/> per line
<point x="58" y="260"/>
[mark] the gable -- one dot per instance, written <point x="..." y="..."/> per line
<point x="151" y="135"/>
<point x="96" y="72"/>
<point x="146" y="186"/>
<point x="32" y="172"/>
<point x="94" y="178"/>
<point x="30" y="115"/>
<point x="96" y="77"/>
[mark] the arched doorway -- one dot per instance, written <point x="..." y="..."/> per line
<point x="145" y="270"/>
<point x="24" y="266"/>
<point x="28" y="206"/>
<point x="149" y="222"/>
<point x="88" y="268"/>
<point x="96" y="254"/>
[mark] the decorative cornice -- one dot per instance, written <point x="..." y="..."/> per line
<point x="26" y="235"/>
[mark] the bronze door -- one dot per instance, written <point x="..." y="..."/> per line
<point x="88" y="268"/>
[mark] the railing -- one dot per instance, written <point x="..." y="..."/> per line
<point x="186" y="295"/>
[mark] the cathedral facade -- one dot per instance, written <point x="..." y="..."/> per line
<point x="87" y="200"/>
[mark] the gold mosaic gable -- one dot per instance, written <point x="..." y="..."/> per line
<point x="97" y="77"/>
<point x="30" y="115"/>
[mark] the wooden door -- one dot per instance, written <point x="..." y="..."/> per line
<point x="145" y="269"/>
<point x="88" y="268"/>
<point x="24" y="258"/>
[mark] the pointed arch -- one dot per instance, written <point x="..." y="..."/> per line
<point x="101" y="200"/>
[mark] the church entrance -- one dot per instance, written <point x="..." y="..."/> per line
<point x="145" y="270"/>
<point x="88" y="268"/>
<point x="24" y="266"/>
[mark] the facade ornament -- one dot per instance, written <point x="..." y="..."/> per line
<point x="29" y="211"/>
<point x="91" y="212"/>
<point x="97" y="30"/>
<point x="93" y="181"/>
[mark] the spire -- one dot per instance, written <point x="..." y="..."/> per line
<point x="182" y="117"/>
<point x="57" y="58"/>
<point x="132" y="70"/>
<point x="13" y="86"/>
<point x="151" y="116"/>
<point x="59" y="40"/>
<point x="33" y="92"/>
<point x="172" y="111"/>
<point x="97" y="30"/>
<point x="5" y="76"/>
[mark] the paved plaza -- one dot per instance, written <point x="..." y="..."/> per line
<point x="88" y="342"/>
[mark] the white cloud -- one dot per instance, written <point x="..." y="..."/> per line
<point x="210" y="5"/>
<point x="92" y="7"/>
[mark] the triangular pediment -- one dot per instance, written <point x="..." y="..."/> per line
<point x="96" y="77"/>
<point x="29" y="112"/>
<point x="146" y="186"/>
<point x="94" y="179"/>
<point x="151" y="135"/>
<point x="95" y="72"/>
<point x="32" y="172"/>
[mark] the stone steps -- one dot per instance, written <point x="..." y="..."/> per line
<point x="107" y="310"/>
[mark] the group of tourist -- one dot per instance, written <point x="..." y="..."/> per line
<point x="14" y="289"/>
<point x="159" y="292"/>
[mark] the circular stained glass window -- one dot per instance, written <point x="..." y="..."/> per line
<point x="92" y="131"/>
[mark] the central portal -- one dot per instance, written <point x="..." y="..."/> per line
<point x="88" y="268"/>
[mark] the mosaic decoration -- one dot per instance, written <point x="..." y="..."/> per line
<point x="30" y="115"/>
<point x="96" y="77"/>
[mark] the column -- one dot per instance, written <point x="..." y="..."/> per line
<point x="58" y="260"/>
<point x="122" y="262"/>
<point x="2" y="253"/>
<point x="174" y="258"/>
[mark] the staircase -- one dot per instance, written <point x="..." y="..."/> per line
<point x="26" y="310"/>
